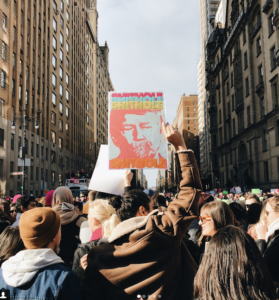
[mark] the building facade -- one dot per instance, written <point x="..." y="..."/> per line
<point x="49" y="72"/>
<point x="242" y="86"/>
<point x="208" y="13"/>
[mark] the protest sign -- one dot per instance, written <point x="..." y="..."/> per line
<point x="255" y="191"/>
<point x="136" y="139"/>
<point x="105" y="180"/>
<point x="225" y="193"/>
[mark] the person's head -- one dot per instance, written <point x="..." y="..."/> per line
<point x="13" y="210"/>
<point x="62" y="194"/>
<point x="253" y="214"/>
<point x="134" y="203"/>
<point x="101" y="213"/>
<point x="238" y="211"/>
<point x="233" y="268"/>
<point x="49" y="198"/>
<point x="205" y="198"/>
<point x="40" y="229"/>
<point x="135" y="135"/>
<point x="6" y="205"/>
<point x="272" y="209"/>
<point x="25" y="203"/>
<point x="214" y="216"/>
<point x="83" y="196"/>
<point x="10" y="243"/>
<point x="158" y="201"/>
<point x="221" y="195"/>
<point x="250" y="200"/>
<point x="78" y="207"/>
<point x="92" y="195"/>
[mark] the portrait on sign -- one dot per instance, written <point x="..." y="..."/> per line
<point x="136" y="139"/>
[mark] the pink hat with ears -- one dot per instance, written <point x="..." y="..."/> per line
<point x="16" y="197"/>
<point x="49" y="197"/>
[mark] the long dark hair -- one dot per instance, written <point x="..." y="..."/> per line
<point x="10" y="243"/>
<point x="7" y="212"/>
<point x="233" y="268"/>
<point x="126" y="206"/>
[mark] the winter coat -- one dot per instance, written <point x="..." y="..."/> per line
<point x="146" y="255"/>
<point x="69" y="241"/>
<point x="16" y="223"/>
<point x="39" y="274"/>
<point x="269" y="251"/>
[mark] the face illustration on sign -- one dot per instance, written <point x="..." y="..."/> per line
<point x="141" y="134"/>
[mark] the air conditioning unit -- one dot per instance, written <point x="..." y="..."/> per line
<point x="57" y="12"/>
<point x="42" y="157"/>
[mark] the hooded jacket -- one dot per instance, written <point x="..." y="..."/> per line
<point x="38" y="274"/>
<point x="145" y="255"/>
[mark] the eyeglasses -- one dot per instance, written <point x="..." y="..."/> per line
<point x="205" y="219"/>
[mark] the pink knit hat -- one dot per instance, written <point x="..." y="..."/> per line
<point x="16" y="197"/>
<point x="49" y="197"/>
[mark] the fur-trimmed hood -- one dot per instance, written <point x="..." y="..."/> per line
<point x="130" y="225"/>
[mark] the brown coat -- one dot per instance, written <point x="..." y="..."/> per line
<point x="146" y="255"/>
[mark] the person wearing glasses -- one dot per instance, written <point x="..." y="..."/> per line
<point x="268" y="237"/>
<point x="13" y="211"/>
<point x="250" y="200"/>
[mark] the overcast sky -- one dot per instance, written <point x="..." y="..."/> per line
<point x="154" y="46"/>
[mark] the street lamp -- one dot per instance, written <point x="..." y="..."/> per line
<point x="36" y="124"/>
<point x="13" y="124"/>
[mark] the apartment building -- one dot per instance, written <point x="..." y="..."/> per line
<point x="48" y="74"/>
<point x="242" y="86"/>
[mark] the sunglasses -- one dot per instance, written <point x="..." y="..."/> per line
<point x="205" y="219"/>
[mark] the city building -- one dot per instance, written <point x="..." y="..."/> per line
<point x="208" y="13"/>
<point x="51" y="67"/>
<point x="242" y="86"/>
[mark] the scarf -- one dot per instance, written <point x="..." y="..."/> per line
<point x="97" y="234"/>
<point x="67" y="212"/>
<point x="271" y="229"/>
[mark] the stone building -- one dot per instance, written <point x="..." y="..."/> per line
<point x="50" y="62"/>
<point x="242" y="86"/>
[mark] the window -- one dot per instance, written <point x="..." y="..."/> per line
<point x="87" y="81"/>
<point x="61" y="55"/>
<point x="61" y="39"/>
<point x="53" y="173"/>
<point x="53" y="137"/>
<point x="3" y="79"/>
<point x="54" y="61"/>
<point x="244" y="35"/>
<point x="4" y="22"/>
<point x="3" y="51"/>
<point x="266" y="172"/>
<point x="87" y="119"/>
<point x="54" y="43"/>
<point x="228" y="91"/>
<point x="14" y="60"/>
<point x="67" y="144"/>
<point x="221" y="136"/>
<point x="54" y="25"/>
<point x="67" y="128"/>
<point x="248" y="116"/>
<point x="11" y="169"/>
<point x="20" y="68"/>
<point x="260" y="73"/>
<point x="67" y="31"/>
<point x="53" y="99"/>
<point x="61" y="21"/>
<point x="61" y="73"/>
<point x="188" y="115"/>
<point x="67" y="62"/>
<point x="233" y="126"/>
<point x="87" y="106"/>
<point x="272" y="58"/>
<point x="67" y="79"/>
<point x="188" y="108"/>
<point x="12" y="141"/>
<point x="220" y="117"/>
<point x="60" y="89"/>
<point x="61" y="108"/>
<point x="67" y="47"/>
<point x="62" y="5"/>
<point x="68" y="2"/>
<point x="60" y="143"/>
<point x="245" y="61"/>
<point x="232" y="79"/>
<point x="247" y="86"/>
<point x="264" y="140"/>
<point x="67" y="111"/>
<point x="1" y="137"/>
<point x="20" y="93"/>
<point x="67" y="96"/>
<point x="53" y="117"/>
<point x="67" y="16"/>
<point x="60" y="125"/>
<point x="262" y="107"/>
<point x="270" y="24"/>
<point x="53" y="80"/>
<point x="274" y="91"/>
<point x="32" y="149"/>
<point x="259" y="46"/>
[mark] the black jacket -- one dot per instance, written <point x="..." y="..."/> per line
<point x="270" y="253"/>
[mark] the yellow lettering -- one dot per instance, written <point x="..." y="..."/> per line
<point x="138" y="105"/>
<point x="146" y="105"/>
<point x="160" y="104"/>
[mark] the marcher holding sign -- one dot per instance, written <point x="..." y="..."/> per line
<point x="136" y="138"/>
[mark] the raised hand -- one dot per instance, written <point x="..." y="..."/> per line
<point x="174" y="137"/>
<point x="83" y="262"/>
<point x="128" y="176"/>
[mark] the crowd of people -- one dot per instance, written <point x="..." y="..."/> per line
<point x="142" y="244"/>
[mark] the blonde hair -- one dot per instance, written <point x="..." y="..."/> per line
<point x="102" y="211"/>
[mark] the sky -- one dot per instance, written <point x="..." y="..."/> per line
<point x="154" y="45"/>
